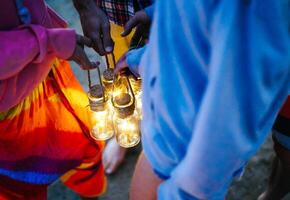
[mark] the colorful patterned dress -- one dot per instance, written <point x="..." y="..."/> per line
<point x="44" y="118"/>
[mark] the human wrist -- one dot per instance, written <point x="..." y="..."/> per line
<point x="63" y="42"/>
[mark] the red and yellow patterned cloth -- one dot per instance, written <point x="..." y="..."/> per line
<point x="47" y="136"/>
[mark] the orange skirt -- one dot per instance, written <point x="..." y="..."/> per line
<point x="47" y="136"/>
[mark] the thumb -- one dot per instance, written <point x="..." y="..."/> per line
<point x="81" y="58"/>
<point x="82" y="40"/>
<point x="107" y="40"/>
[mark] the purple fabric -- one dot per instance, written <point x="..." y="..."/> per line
<point x="27" y="51"/>
<point x="40" y="164"/>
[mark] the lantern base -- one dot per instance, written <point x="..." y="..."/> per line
<point x="128" y="141"/>
<point x="102" y="136"/>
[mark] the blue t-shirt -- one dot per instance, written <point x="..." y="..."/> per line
<point x="215" y="74"/>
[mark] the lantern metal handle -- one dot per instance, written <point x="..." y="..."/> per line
<point x="99" y="77"/>
<point x="107" y="60"/>
<point x="130" y="88"/>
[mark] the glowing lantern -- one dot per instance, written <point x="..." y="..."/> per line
<point x="125" y="118"/>
<point x="102" y="127"/>
<point x="116" y="107"/>
<point x="136" y="86"/>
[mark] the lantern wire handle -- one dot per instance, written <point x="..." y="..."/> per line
<point x="89" y="79"/>
<point x="114" y="81"/>
<point x="131" y="89"/>
<point x="115" y="77"/>
<point x="99" y="77"/>
<point x="107" y="60"/>
<point x="114" y="60"/>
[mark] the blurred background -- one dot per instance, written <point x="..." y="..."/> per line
<point x="252" y="183"/>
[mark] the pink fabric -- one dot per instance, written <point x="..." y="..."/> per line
<point x="26" y="52"/>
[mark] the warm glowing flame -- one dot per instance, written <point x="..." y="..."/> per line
<point x="107" y="123"/>
<point x="102" y="125"/>
<point x="100" y="115"/>
<point x="127" y="126"/>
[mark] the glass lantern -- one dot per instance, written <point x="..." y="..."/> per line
<point x="137" y="89"/>
<point x="102" y="126"/>
<point x="107" y="79"/>
<point x="108" y="75"/>
<point x="125" y="117"/>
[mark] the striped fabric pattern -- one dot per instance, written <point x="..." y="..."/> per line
<point x="119" y="11"/>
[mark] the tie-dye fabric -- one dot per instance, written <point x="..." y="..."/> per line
<point x="46" y="137"/>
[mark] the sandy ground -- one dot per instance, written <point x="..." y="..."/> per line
<point x="248" y="187"/>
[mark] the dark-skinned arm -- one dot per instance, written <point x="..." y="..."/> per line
<point x="95" y="25"/>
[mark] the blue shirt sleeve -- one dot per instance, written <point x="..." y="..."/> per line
<point x="247" y="83"/>
<point x="133" y="60"/>
<point x="149" y="11"/>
